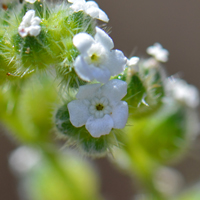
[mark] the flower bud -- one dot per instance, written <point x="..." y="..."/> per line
<point x="35" y="40"/>
<point x="157" y="139"/>
<point x="145" y="88"/>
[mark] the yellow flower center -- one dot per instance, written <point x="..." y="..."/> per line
<point x="99" y="107"/>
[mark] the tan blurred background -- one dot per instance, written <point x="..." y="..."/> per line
<point x="137" y="24"/>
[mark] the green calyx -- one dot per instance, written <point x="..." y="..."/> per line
<point x="145" y="90"/>
<point x="52" y="48"/>
<point x="81" y="138"/>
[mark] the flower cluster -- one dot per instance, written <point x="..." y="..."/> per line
<point x="56" y="59"/>
<point x="158" y="52"/>
<point x="90" y="7"/>
<point x="100" y="88"/>
<point x="182" y="92"/>
<point x="97" y="59"/>
<point x="30" y="24"/>
<point x="98" y="106"/>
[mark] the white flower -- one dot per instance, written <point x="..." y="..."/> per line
<point x="91" y="8"/>
<point x="99" y="107"/>
<point x="29" y="25"/>
<point x="151" y="63"/>
<point x="97" y="60"/>
<point x="132" y="61"/>
<point x="132" y="65"/>
<point x="158" y="52"/>
<point x="183" y="92"/>
<point x="31" y="1"/>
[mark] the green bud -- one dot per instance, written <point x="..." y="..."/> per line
<point x="67" y="25"/>
<point x="53" y="46"/>
<point x="145" y="88"/>
<point x="28" y="53"/>
<point x="7" y="68"/>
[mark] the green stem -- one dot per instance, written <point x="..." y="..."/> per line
<point x="151" y="189"/>
<point x="144" y="170"/>
<point x="53" y="159"/>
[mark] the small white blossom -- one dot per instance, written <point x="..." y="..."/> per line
<point x="132" y="61"/>
<point x="132" y="65"/>
<point x="97" y="59"/>
<point x="30" y="24"/>
<point x="158" y="52"/>
<point x="100" y="108"/>
<point x="151" y="63"/>
<point x="90" y="7"/>
<point x="31" y="1"/>
<point x="183" y="92"/>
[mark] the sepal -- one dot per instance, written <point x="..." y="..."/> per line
<point x="81" y="138"/>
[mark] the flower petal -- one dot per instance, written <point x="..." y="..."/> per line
<point x="30" y="1"/>
<point x="162" y="56"/>
<point x="133" y="61"/>
<point x="23" y="32"/>
<point x="34" y="30"/>
<point x="99" y="126"/>
<point x="116" y="62"/>
<point x="77" y="6"/>
<point x="82" y="69"/>
<point x="103" y="38"/>
<point x="120" y="115"/>
<point x="87" y="91"/>
<point x="90" y="72"/>
<point x="158" y="52"/>
<point x="92" y="9"/>
<point x="35" y="21"/>
<point x="101" y="74"/>
<point x="114" y="90"/>
<point x="76" y="1"/>
<point x="28" y="16"/>
<point x="93" y="12"/>
<point x="83" y="41"/>
<point x="78" y="111"/>
<point x="103" y="16"/>
<point x="91" y="4"/>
